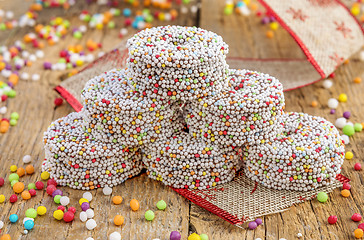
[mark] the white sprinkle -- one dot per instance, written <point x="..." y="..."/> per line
<point x="82" y="28"/>
<point x="6" y="73"/>
<point x="100" y="54"/>
<point x="90" y="213"/>
<point x="27" y="159"/>
<point x="194" y="9"/>
<point x="299" y="235"/>
<point x="115" y="236"/>
<point x="89" y="57"/>
<point x="1" y="224"/>
<point x="332" y="103"/>
<point x="61" y="66"/>
<point x="64" y="200"/>
<point x="25" y="54"/>
<point x="9" y="15"/>
<point x="327" y="83"/>
<point x="39" y="54"/>
<point x="35" y="77"/>
<point x="340" y="122"/>
<point x="32" y="58"/>
<point x="91" y="224"/>
<point x="83" y="216"/>
<point x="123" y="31"/>
<point x="107" y="190"/>
<point x="24" y="76"/>
<point x="184" y="10"/>
<point x="88" y="196"/>
<point x="3" y="110"/>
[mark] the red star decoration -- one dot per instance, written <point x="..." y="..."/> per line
<point x="297" y="14"/>
<point x="343" y="29"/>
<point x="337" y="59"/>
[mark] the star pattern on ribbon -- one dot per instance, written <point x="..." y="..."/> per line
<point x="343" y="29"/>
<point x="339" y="60"/>
<point x="297" y="14"/>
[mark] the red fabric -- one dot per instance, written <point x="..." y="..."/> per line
<point x="69" y="98"/>
<point x="209" y="206"/>
<point x="190" y="195"/>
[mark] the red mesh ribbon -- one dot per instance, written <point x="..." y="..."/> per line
<point x="240" y="201"/>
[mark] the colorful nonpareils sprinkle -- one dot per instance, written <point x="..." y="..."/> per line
<point x="356" y="217"/>
<point x="332" y="219"/>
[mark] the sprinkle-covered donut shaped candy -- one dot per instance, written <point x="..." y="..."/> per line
<point x="106" y="172"/>
<point x="66" y="137"/>
<point x="185" y="162"/>
<point x="309" y="154"/>
<point x="247" y="112"/>
<point x="175" y="62"/>
<point x="69" y="149"/>
<point x="114" y="112"/>
<point x="111" y="82"/>
<point x="180" y="177"/>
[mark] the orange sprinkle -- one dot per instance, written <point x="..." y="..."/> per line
<point x="29" y="169"/>
<point x="357" y="80"/>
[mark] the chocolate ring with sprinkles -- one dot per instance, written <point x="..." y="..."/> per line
<point x="114" y="112"/>
<point x="247" y="112"/>
<point x="177" y="177"/>
<point x="309" y="154"/>
<point x="67" y="138"/>
<point x="113" y="82"/>
<point x="182" y="160"/>
<point x="107" y="174"/>
<point x="68" y="147"/>
<point x="177" y="62"/>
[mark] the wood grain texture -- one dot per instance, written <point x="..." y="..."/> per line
<point x="34" y="103"/>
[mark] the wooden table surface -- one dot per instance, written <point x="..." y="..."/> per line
<point x="246" y="37"/>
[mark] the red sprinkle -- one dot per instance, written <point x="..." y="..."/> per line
<point x="58" y="101"/>
<point x="357" y="166"/>
<point x="32" y="192"/>
<point x="361" y="226"/>
<point x="356" y="217"/>
<point x="346" y="186"/>
<point x="68" y="216"/>
<point x="62" y="208"/>
<point x="51" y="189"/>
<point x="332" y="219"/>
<point x="39" y="185"/>
<point x="72" y="210"/>
<point x="13" y="198"/>
<point x="52" y="182"/>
